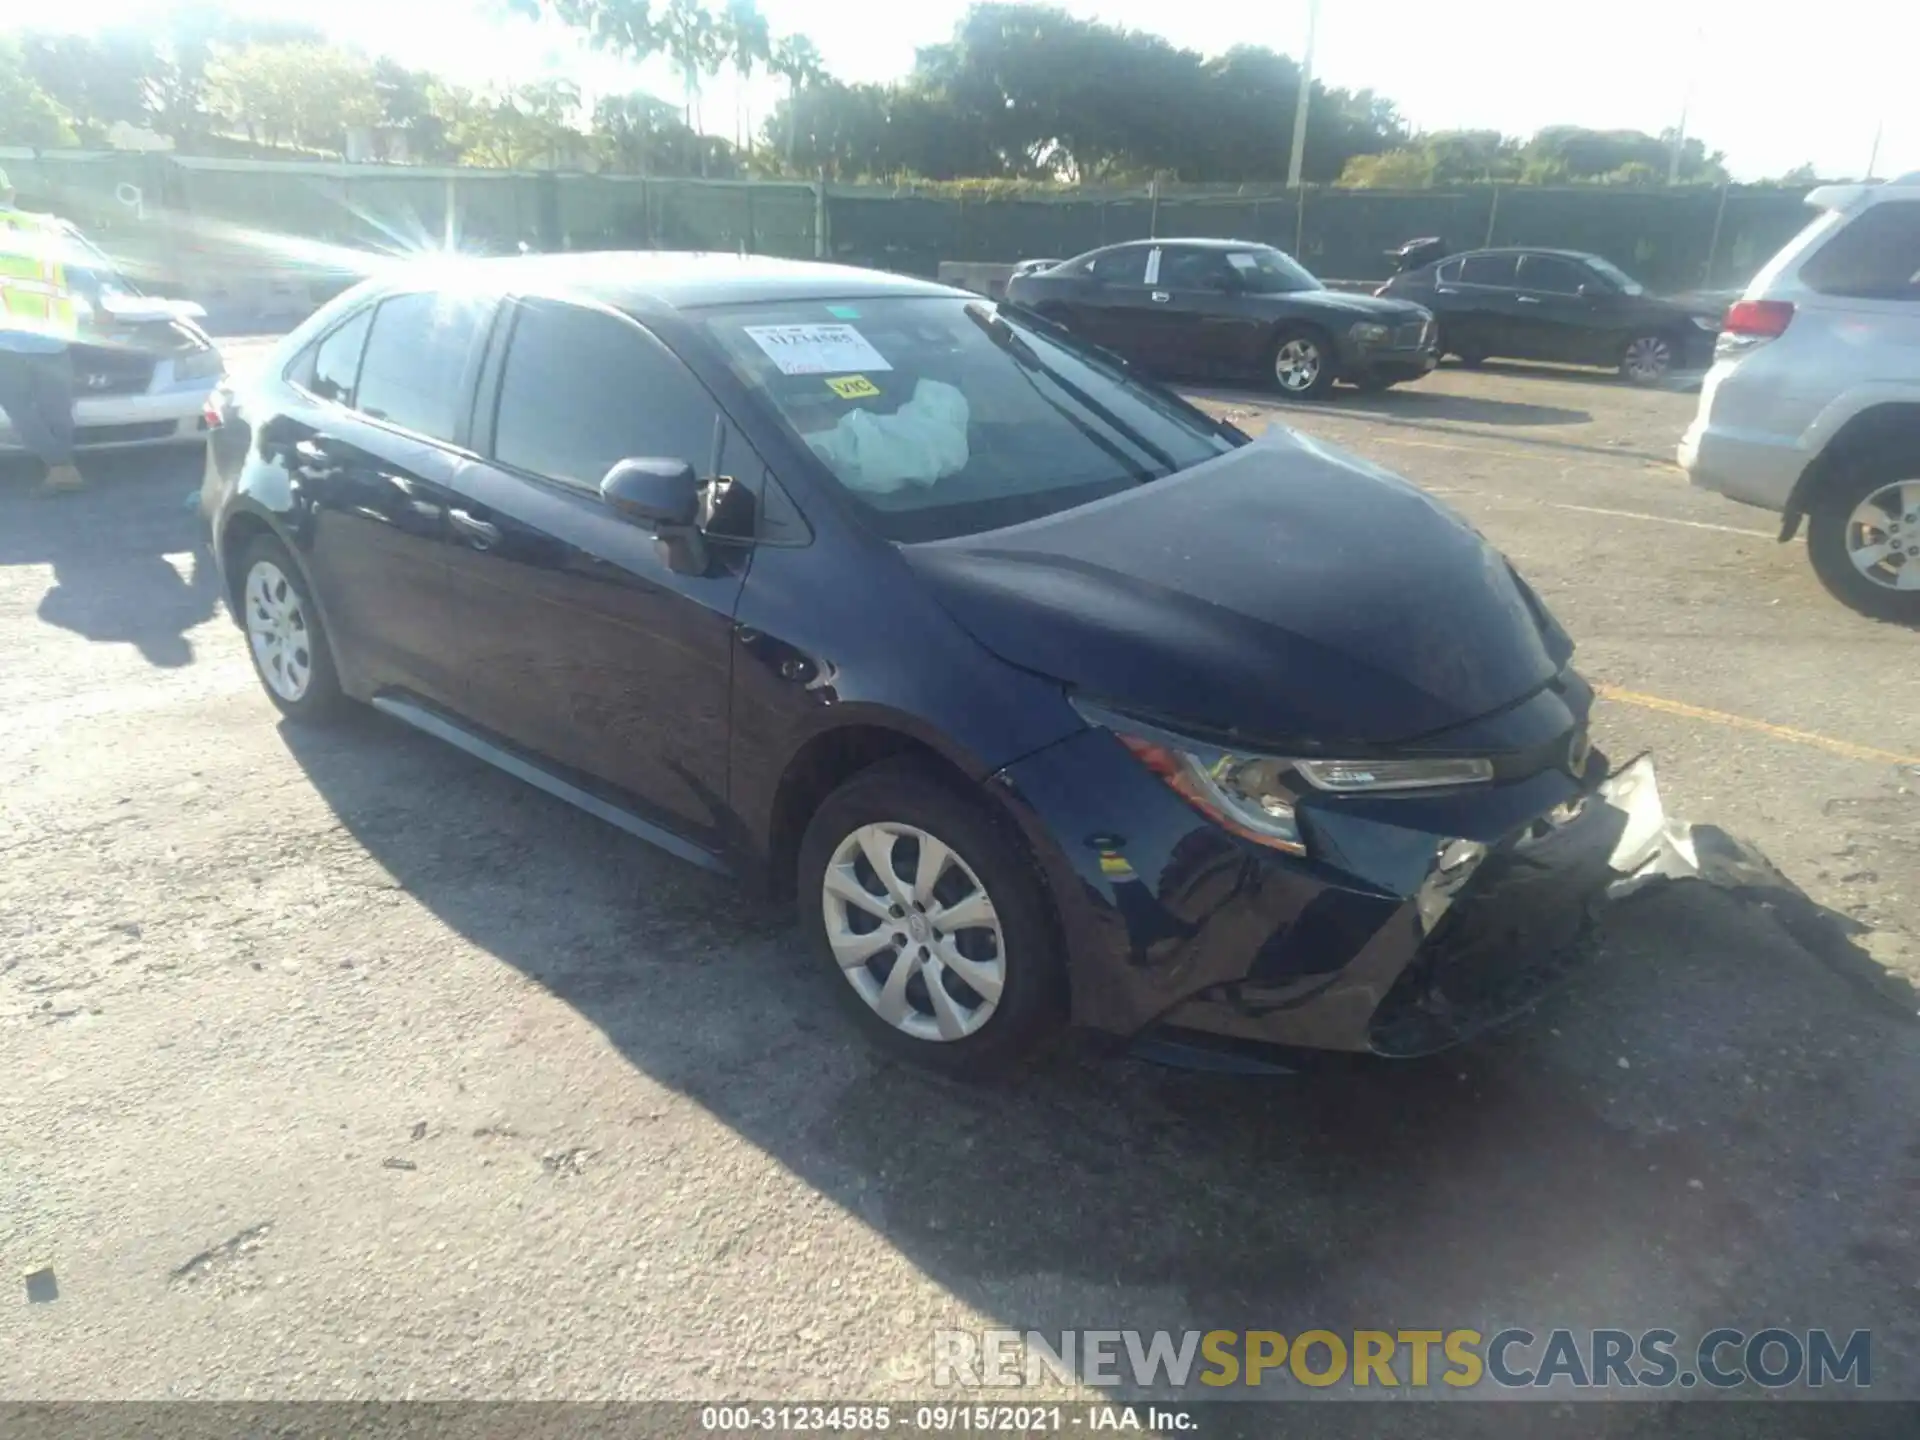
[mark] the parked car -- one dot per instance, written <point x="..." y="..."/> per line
<point x="1560" y="305"/>
<point x="1032" y="267"/>
<point x="1812" y="408"/>
<point x="1048" y="695"/>
<point x="1232" y="309"/>
<point x="144" y="371"/>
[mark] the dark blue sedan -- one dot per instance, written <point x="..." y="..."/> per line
<point x="1049" y="697"/>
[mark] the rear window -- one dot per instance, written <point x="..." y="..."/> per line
<point x="1487" y="270"/>
<point x="1875" y="257"/>
<point x="944" y="417"/>
<point x="413" y="373"/>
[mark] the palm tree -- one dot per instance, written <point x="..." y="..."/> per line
<point x="745" y="37"/>
<point x="691" y="38"/>
<point x="797" y="60"/>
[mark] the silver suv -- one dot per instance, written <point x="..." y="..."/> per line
<point x="1812" y="407"/>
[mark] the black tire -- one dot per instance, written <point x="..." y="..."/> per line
<point x="1636" y="372"/>
<point x="1328" y="362"/>
<point x="1031" y="1008"/>
<point x="1829" y="519"/>
<point x="322" y="699"/>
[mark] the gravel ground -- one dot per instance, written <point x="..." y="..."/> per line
<point x="343" y="1067"/>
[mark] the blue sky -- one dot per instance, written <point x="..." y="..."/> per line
<point x="1773" y="90"/>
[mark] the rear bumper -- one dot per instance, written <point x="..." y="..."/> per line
<point x="1753" y="470"/>
<point x="1174" y="925"/>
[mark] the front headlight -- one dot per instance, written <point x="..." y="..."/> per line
<point x="200" y="365"/>
<point x="1368" y="333"/>
<point x="1350" y="777"/>
<point x="1246" y="794"/>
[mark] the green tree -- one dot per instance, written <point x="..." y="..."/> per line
<point x="28" y="115"/>
<point x="795" y="60"/>
<point x="690" y="36"/>
<point x="748" y="43"/>
<point x="99" y="81"/>
<point x="295" y="93"/>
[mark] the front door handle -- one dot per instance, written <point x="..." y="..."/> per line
<point x="1528" y="299"/>
<point x="1160" y="297"/>
<point x="481" y="534"/>
<point x="1445" y="290"/>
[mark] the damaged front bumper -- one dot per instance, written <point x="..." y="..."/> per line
<point x="1412" y="926"/>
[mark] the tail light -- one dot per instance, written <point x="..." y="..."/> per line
<point x="1758" y="319"/>
<point x="214" y="413"/>
<point x="1751" y="323"/>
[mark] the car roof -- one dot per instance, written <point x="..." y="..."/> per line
<point x="1526" y="250"/>
<point x="1198" y="242"/>
<point x="669" y="279"/>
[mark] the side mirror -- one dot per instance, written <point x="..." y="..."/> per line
<point x="660" y="495"/>
<point x="664" y="497"/>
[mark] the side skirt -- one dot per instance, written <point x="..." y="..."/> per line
<point x="441" y="727"/>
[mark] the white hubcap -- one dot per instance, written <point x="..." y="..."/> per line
<point x="1296" y="365"/>
<point x="1648" y="358"/>
<point x="277" y="631"/>
<point x="915" y="931"/>
<point x="1883" y="536"/>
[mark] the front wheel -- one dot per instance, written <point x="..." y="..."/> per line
<point x="1647" y="360"/>
<point x="932" y="916"/>
<point x="1302" y="364"/>
<point x="1863" y="536"/>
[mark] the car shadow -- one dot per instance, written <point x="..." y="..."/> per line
<point x="1685" y="381"/>
<point x="130" y="558"/>
<point x="1664" y="1142"/>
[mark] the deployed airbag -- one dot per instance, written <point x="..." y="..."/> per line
<point x="922" y="442"/>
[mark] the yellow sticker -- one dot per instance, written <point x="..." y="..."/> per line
<point x="852" y="387"/>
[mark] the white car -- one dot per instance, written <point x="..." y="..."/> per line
<point x="1812" y="408"/>
<point x="146" y="369"/>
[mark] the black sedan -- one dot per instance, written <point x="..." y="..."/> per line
<point x="1049" y="696"/>
<point x="1229" y="309"/>
<point x="1558" y="305"/>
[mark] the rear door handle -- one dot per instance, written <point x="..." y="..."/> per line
<point x="1445" y="290"/>
<point x="1160" y="297"/>
<point x="481" y="534"/>
<point x="1528" y="299"/>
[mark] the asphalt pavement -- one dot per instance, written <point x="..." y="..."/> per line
<point x="344" y="1067"/>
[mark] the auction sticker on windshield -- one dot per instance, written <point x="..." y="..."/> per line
<point x="816" y="349"/>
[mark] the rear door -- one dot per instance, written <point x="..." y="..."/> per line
<point x="374" y="453"/>
<point x="1482" y="316"/>
<point x="1862" y="287"/>
<point x="582" y="645"/>
<point x="1107" y="304"/>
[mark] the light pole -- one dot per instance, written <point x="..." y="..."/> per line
<point x="1873" y="155"/>
<point x="1300" y="105"/>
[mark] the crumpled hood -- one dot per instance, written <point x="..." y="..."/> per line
<point x="1285" y="591"/>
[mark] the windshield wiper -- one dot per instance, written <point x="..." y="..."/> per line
<point x="1002" y="334"/>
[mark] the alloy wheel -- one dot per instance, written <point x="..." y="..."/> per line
<point x="1883" y="536"/>
<point x="278" y="632"/>
<point x="914" y="930"/>
<point x="1648" y="358"/>
<point x="1296" y="364"/>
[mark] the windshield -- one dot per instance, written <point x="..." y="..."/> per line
<point x="1626" y="283"/>
<point x="945" y="417"/>
<point x="1266" y="271"/>
<point x="90" y="270"/>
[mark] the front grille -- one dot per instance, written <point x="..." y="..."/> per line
<point x="124" y="434"/>
<point x="98" y="370"/>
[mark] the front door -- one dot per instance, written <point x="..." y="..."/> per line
<point x="580" y="643"/>
<point x="1553" y="319"/>
<point x="1482" y="318"/>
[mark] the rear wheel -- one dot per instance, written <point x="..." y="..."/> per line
<point x="285" y="638"/>
<point x="1863" y="536"/>
<point x="932" y="916"/>
<point x="1647" y="360"/>
<point x="1302" y="364"/>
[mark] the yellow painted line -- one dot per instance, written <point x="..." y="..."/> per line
<point x="1845" y="748"/>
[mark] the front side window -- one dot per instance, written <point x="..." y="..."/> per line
<point x="1119" y="267"/>
<point x="1487" y="270"/>
<point x="946" y="417"/>
<point x="1875" y="257"/>
<point x="414" y="371"/>
<point x="1266" y="271"/>
<point x="584" y="389"/>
